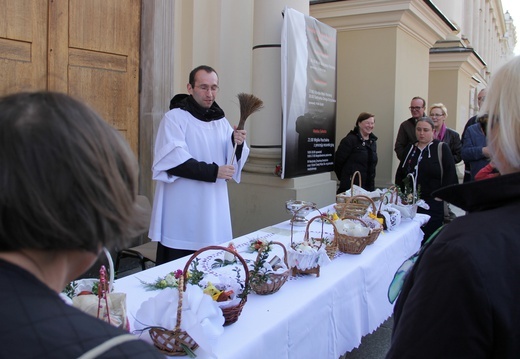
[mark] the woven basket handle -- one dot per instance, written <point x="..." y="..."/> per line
<point x="355" y="218"/>
<point x="385" y="199"/>
<point x="284" y="253"/>
<point x="354" y="175"/>
<point x="111" y="271"/>
<point x="296" y="213"/>
<point x="394" y="194"/>
<point x="104" y="287"/>
<point x="414" y="186"/>
<point x="323" y="219"/>
<point x="181" y="288"/>
<point x="361" y="196"/>
<point x="216" y="248"/>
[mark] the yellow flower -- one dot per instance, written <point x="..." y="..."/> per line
<point x="212" y="291"/>
<point x="373" y="216"/>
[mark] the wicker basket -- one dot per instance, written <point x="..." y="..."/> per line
<point x="408" y="210"/>
<point x="275" y="280"/>
<point x="314" y="270"/>
<point x="391" y="216"/>
<point x="232" y="313"/>
<point x="107" y="305"/>
<point x="377" y="228"/>
<point x="342" y="197"/>
<point x="351" y="244"/>
<point x="331" y="247"/>
<point x="173" y="342"/>
<point x="374" y="234"/>
<point x="356" y="206"/>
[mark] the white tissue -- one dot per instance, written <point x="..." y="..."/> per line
<point x="201" y="316"/>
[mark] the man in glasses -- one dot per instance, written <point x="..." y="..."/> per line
<point x="406" y="133"/>
<point x="192" y="163"/>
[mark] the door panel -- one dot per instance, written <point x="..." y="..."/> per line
<point x="88" y="49"/>
<point x="23" y="45"/>
<point x="104" y="54"/>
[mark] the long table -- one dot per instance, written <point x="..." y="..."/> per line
<point x="308" y="317"/>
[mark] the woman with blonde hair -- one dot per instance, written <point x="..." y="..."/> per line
<point x="461" y="297"/>
<point x="439" y="114"/>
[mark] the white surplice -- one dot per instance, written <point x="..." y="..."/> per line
<point x="190" y="214"/>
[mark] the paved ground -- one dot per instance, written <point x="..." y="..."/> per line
<point x="375" y="345"/>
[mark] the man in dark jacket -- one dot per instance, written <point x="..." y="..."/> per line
<point x="406" y="133"/>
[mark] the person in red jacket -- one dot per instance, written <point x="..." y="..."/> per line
<point x="489" y="171"/>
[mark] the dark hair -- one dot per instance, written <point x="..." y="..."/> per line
<point x="193" y="72"/>
<point x="420" y="98"/>
<point x="68" y="180"/>
<point x="362" y="117"/>
<point x="426" y="119"/>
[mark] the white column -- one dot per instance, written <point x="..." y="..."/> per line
<point x="265" y="131"/>
<point x="468" y="20"/>
<point x="482" y="27"/>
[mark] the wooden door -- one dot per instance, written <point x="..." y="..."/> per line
<point x="23" y="45"/>
<point x="88" y="49"/>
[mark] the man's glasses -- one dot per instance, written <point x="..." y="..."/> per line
<point x="414" y="108"/>
<point x="206" y="88"/>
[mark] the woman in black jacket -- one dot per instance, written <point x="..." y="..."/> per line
<point x="357" y="152"/>
<point x="432" y="167"/>
<point x="439" y="114"/>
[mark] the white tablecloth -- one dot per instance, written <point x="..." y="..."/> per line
<point x="308" y="317"/>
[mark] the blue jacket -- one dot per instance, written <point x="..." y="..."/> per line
<point x="472" y="142"/>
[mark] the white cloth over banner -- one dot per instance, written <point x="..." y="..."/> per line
<point x="190" y="214"/>
<point x="294" y="79"/>
<point x="308" y="68"/>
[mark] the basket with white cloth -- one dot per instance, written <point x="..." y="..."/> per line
<point x="353" y="234"/>
<point x="174" y="342"/>
<point x="231" y="312"/>
<point x="307" y="256"/>
<point x="269" y="281"/>
<point x="356" y="190"/>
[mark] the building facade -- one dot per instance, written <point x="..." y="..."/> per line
<point x="128" y="58"/>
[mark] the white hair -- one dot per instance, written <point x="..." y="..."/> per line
<point x="502" y="105"/>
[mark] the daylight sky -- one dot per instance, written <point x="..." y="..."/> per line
<point x="513" y="6"/>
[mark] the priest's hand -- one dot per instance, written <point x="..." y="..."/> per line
<point x="239" y="136"/>
<point x="226" y="172"/>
